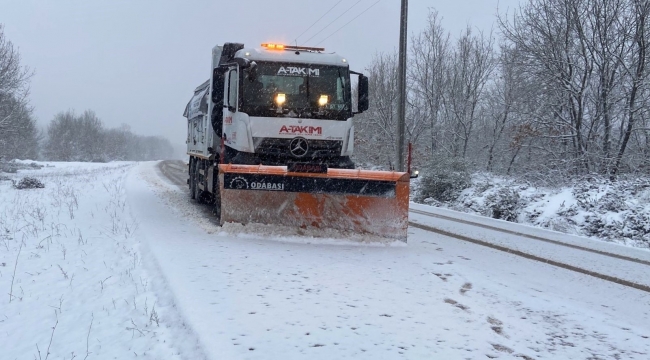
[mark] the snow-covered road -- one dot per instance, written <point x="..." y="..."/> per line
<point x="268" y="296"/>
<point x="608" y="261"/>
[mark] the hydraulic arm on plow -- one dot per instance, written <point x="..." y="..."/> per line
<point x="270" y="137"/>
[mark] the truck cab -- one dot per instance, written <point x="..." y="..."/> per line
<point x="278" y="104"/>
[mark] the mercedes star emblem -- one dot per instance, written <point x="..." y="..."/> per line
<point x="298" y="147"/>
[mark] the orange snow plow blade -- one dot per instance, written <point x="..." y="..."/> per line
<point x="358" y="201"/>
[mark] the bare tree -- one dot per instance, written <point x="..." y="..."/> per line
<point x="376" y="128"/>
<point x="472" y="63"/>
<point x="429" y="63"/>
<point x="550" y="34"/>
<point x="61" y="138"/>
<point x="637" y="72"/>
<point x="90" y="137"/>
<point x="14" y="80"/>
<point x="18" y="134"/>
<point x="506" y="96"/>
<point x="75" y="138"/>
<point x="20" y="139"/>
<point x="606" y="39"/>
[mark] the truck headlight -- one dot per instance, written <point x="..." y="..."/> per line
<point x="323" y="100"/>
<point x="280" y="99"/>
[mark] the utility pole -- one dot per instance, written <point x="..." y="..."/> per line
<point x="401" y="80"/>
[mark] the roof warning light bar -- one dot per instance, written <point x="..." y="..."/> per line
<point x="271" y="46"/>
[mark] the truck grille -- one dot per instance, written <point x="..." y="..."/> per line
<point x="280" y="148"/>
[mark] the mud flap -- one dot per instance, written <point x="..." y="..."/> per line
<point x="358" y="201"/>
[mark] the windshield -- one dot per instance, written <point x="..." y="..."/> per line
<point x="303" y="86"/>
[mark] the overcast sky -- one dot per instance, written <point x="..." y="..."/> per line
<point x="138" y="61"/>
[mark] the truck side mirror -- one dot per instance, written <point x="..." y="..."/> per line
<point x="363" y="94"/>
<point x="252" y="72"/>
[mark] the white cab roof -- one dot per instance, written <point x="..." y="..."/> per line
<point x="291" y="56"/>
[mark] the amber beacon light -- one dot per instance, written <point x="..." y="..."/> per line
<point x="273" y="46"/>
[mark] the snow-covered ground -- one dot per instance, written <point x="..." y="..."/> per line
<point x="593" y="206"/>
<point x="127" y="238"/>
<point x="603" y="258"/>
<point x="264" y="296"/>
<point x="74" y="280"/>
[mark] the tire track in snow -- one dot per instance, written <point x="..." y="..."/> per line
<point x="526" y="255"/>
<point x="173" y="170"/>
<point x="534" y="237"/>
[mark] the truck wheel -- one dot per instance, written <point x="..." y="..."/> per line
<point x="192" y="179"/>
<point x="344" y="162"/>
<point x="198" y="179"/>
<point x="216" y="205"/>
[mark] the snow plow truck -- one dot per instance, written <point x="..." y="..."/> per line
<point x="269" y="139"/>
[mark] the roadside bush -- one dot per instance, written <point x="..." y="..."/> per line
<point x="8" y="168"/>
<point x="443" y="180"/>
<point x="504" y="204"/>
<point x="615" y="210"/>
<point x="29" y="183"/>
<point x="13" y="167"/>
<point x="637" y="225"/>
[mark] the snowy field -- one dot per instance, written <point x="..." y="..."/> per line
<point x="114" y="261"/>
<point x="74" y="281"/>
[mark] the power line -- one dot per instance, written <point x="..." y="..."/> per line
<point x="312" y="25"/>
<point x="337" y="30"/>
<point x="345" y="12"/>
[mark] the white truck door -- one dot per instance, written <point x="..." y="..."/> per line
<point x="230" y="93"/>
<point x="235" y="123"/>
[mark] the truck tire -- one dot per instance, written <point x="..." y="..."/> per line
<point x="198" y="179"/>
<point x="192" y="179"/>
<point x="344" y="162"/>
<point x="216" y="200"/>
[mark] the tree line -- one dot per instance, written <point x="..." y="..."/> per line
<point x="72" y="137"/>
<point x="69" y="137"/>
<point x="560" y="89"/>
